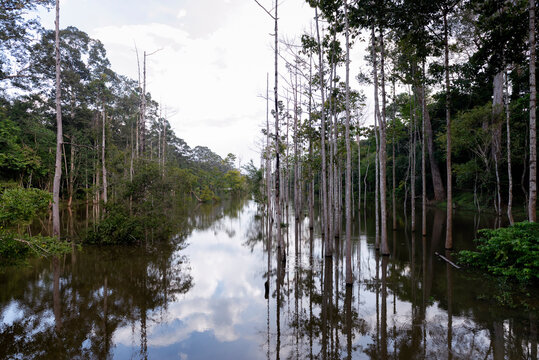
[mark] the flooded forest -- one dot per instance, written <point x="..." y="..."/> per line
<point x="389" y="213"/>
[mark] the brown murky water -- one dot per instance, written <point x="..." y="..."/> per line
<point x="214" y="292"/>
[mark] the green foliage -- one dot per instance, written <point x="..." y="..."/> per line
<point x="255" y="181"/>
<point x="16" y="159"/>
<point x="235" y="181"/>
<point x="118" y="227"/>
<point x="511" y="252"/>
<point x="14" y="247"/>
<point x="19" y="206"/>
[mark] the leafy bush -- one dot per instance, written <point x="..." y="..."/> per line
<point x="511" y="252"/>
<point x="19" y="206"/>
<point x="116" y="228"/>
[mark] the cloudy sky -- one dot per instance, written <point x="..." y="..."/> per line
<point x="211" y="69"/>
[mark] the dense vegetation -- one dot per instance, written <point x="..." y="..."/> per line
<point x="511" y="252"/>
<point x="454" y="97"/>
<point x="118" y="151"/>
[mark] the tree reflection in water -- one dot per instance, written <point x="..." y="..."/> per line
<point x="219" y="289"/>
<point x="412" y="306"/>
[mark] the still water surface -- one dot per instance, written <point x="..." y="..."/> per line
<point x="214" y="292"/>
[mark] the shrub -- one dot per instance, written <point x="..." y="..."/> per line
<point x="511" y="252"/>
<point x="116" y="228"/>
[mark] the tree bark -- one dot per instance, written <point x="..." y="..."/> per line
<point x="348" y="186"/>
<point x="59" y="133"/>
<point x="103" y="163"/>
<point x="378" y="157"/>
<point x="509" y="169"/>
<point x="437" y="184"/>
<point x="323" y="141"/>
<point x="497" y="111"/>
<point x="413" y="123"/>
<point x="71" y="172"/>
<point x="277" y="145"/>
<point x="449" y="214"/>
<point x="393" y="177"/>
<point x="423" y="167"/>
<point x="533" y="129"/>
<point x="268" y="157"/>
<point x="143" y="110"/>
<point x="383" y="153"/>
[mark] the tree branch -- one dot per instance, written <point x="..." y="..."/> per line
<point x="267" y="12"/>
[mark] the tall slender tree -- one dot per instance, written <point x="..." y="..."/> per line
<point x="348" y="191"/>
<point x="533" y="127"/>
<point x="59" y="133"/>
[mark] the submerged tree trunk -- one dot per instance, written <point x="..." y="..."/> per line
<point x="383" y="154"/>
<point x="449" y="214"/>
<point x="393" y="177"/>
<point x="376" y="132"/>
<point x="413" y="119"/>
<point x="277" y="145"/>
<point x="268" y="157"/>
<point x="423" y="167"/>
<point x="358" y="169"/>
<point x="533" y="130"/>
<point x="348" y="192"/>
<point x="59" y="133"/>
<point x="323" y="140"/>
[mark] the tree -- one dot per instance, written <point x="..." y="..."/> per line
<point x="533" y="127"/>
<point x="348" y="195"/>
<point x="15" y="36"/>
<point x="59" y="134"/>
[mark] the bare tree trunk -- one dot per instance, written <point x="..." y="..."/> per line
<point x="103" y="162"/>
<point x="97" y="187"/>
<point x="348" y="186"/>
<point x="509" y="170"/>
<point x="366" y="174"/>
<point x="423" y="165"/>
<point x="377" y="157"/>
<point x="331" y="159"/>
<point x="297" y="210"/>
<point x="393" y="180"/>
<point x="358" y="168"/>
<point x="437" y="184"/>
<point x="328" y="250"/>
<point x="497" y="110"/>
<point x="268" y="156"/>
<point x="533" y="103"/>
<point x="143" y="109"/>
<point x="164" y="150"/>
<point x="449" y="214"/>
<point x="413" y="123"/>
<point x="139" y="118"/>
<point x="277" y="142"/>
<point x="311" y="156"/>
<point x="383" y="153"/>
<point x="59" y="134"/>
<point x="71" y="172"/>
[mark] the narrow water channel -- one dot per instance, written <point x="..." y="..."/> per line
<point x="215" y="292"/>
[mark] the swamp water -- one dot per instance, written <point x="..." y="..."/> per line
<point x="212" y="292"/>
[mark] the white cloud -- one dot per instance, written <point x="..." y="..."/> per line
<point x="181" y="14"/>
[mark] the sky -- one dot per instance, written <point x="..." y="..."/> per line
<point x="210" y="71"/>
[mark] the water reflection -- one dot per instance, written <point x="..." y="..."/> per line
<point x="221" y="290"/>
